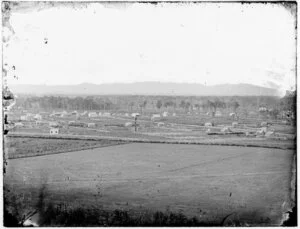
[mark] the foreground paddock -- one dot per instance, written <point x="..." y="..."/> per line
<point x="210" y="182"/>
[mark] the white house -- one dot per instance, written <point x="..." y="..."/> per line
<point x="19" y="124"/>
<point x="92" y="115"/>
<point x="38" y="117"/>
<point x="128" y="124"/>
<point x="226" y="130"/>
<point x="165" y="114"/>
<point x="54" y="131"/>
<point x="174" y="114"/>
<point x="208" y="124"/>
<point x="160" y="124"/>
<point x="23" y="118"/>
<point x="155" y="117"/>
<point x="91" y="125"/>
<point x="106" y="114"/>
<point x="235" y="124"/>
<point x="135" y="114"/>
<point x="53" y="124"/>
<point x="218" y="114"/>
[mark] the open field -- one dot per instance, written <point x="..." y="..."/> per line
<point x="29" y="147"/>
<point x="209" y="182"/>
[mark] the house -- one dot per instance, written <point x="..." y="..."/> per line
<point x="232" y="115"/>
<point x="208" y="124"/>
<point x="106" y="114"/>
<point x="218" y="114"/>
<point x="54" y="131"/>
<point x="165" y="114"/>
<point x="234" y="124"/>
<point x="19" y="124"/>
<point x="160" y="124"/>
<point x="174" y="114"/>
<point x="135" y="114"/>
<point x="37" y="117"/>
<point x="54" y="124"/>
<point x="155" y="117"/>
<point x="91" y="125"/>
<point x="262" y="109"/>
<point x="128" y="124"/>
<point x="74" y="113"/>
<point x="92" y="115"/>
<point x="226" y="130"/>
<point x="23" y="118"/>
<point x="126" y="114"/>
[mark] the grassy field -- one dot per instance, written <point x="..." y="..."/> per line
<point x="29" y="147"/>
<point x="253" y="185"/>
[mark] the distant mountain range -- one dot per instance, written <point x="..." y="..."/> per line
<point x="145" y="88"/>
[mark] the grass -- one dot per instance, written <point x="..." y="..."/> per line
<point x="31" y="147"/>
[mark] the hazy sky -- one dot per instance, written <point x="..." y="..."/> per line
<point x="205" y="43"/>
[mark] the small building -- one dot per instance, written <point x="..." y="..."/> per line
<point x="208" y="124"/>
<point x="23" y="118"/>
<point x="226" y="130"/>
<point x="262" y="109"/>
<point x="160" y="124"/>
<point x="54" y="131"/>
<point x="235" y="124"/>
<point x="37" y="117"/>
<point x="128" y="124"/>
<point x="135" y="114"/>
<point x="54" y="124"/>
<point x="174" y="114"/>
<point x="92" y="115"/>
<point x="126" y="114"/>
<point x="218" y="114"/>
<point x="264" y="124"/>
<point x="155" y="117"/>
<point x="19" y="124"/>
<point x="165" y="114"/>
<point x="106" y="114"/>
<point x="91" y="125"/>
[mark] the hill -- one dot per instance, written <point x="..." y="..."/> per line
<point x="145" y="88"/>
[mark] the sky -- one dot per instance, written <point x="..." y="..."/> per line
<point x="207" y="43"/>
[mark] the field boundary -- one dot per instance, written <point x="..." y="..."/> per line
<point x="136" y="140"/>
<point x="66" y="150"/>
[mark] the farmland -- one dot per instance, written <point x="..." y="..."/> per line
<point x="212" y="163"/>
<point x="204" y="181"/>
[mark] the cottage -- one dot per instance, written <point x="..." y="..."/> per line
<point x="262" y="109"/>
<point x="19" y="124"/>
<point x="232" y="115"/>
<point x="208" y="124"/>
<point x="106" y="114"/>
<point x="54" y="124"/>
<point x="74" y="113"/>
<point x="270" y="134"/>
<point x="135" y="114"/>
<point x="155" y="117"/>
<point x="23" y="118"/>
<point x="128" y="124"/>
<point x="54" y="131"/>
<point x="235" y="124"/>
<point x="91" y="125"/>
<point x="165" y="114"/>
<point x="126" y="114"/>
<point x="174" y="114"/>
<point x="264" y="124"/>
<point x="218" y="114"/>
<point x="92" y="115"/>
<point x="38" y="117"/>
<point x="226" y="130"/>
<point x="160" y="124"/>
